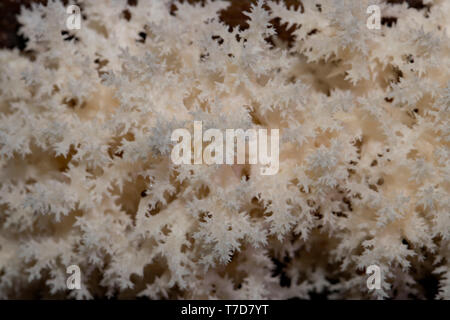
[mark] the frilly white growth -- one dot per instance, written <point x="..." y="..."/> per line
<point x="364" y="177"/>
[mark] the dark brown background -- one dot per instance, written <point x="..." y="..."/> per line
<point x="232" y="16"/>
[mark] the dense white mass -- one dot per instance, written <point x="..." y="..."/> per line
<point x="86" y="178"/>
